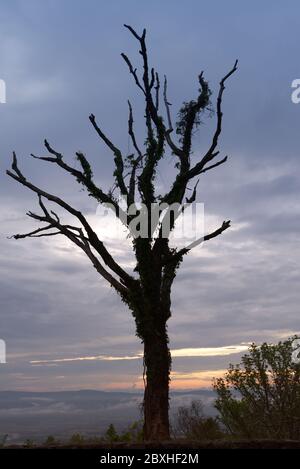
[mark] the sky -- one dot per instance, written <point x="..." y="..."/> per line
<point x="63" y="326"/>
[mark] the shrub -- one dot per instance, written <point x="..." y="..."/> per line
<point x="260" y="398"/>
<point x="51" y="441"/>
<point x="133" y="433"/>
<point x="3" y="440"/>
<point x="191" y="423"/>
<point x="77" y="439"/>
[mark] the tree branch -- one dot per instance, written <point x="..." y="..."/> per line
<point x="157" y="88"/>
<point x="135" y="162"/>
<point x="155" y="145"/>
<point x="175" y="149"/>
<point x="178" y="255"/>
<point x="34" y="234"/>
<point x="93" y="238"/>
<point x="210" y="154"/>
<point x="77" y="238"/>
<point x="84" y="177"/>
<point x="133" y="72"/>
<point x="118" y="156"/>
<point x="190" y="200"/>
<point x="178" y="188"/>
<point x="131" y="132"/>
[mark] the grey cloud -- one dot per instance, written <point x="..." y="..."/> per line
<point x="241" y="287"/>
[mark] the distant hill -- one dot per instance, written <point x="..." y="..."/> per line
<point x="35" y="415"/>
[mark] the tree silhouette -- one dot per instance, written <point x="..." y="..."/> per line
<point x="146" y="290"/>
<point x="260" y="397"/>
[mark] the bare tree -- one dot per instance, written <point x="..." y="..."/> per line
<point x="146" y="290"/>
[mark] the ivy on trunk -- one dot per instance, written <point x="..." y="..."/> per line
<point x="146" y="290"/>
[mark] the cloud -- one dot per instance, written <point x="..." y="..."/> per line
<point x="209" y="351"/>
<point x="241" y="287"/>
<point x="79" y="359"/>
<point x="186" y="352"/>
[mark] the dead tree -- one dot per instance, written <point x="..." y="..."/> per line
<point x="146" y="290"/>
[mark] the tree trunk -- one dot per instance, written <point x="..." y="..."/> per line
<point x="157" y="363"/>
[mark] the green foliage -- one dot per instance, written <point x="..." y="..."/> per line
<point x="3" y="439"/>
<point x="191" y="423"/>
<point x="154" y="153"/>
<point x="133" y="433"/>
<point x="29" y="443"/>
<point x="51" y="441"/>
<point x="190" y="112"/>
<point x="86" y="167"/>
<point x="77" y="439"/>
<point x="111" y="434"/>
<point x="260" y="398"/>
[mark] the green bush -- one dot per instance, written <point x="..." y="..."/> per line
<point x="29" y="443"/>
<point x="51" y="441"/>
<point x="3" y="440"/>
<point x="77" y="439"/>
<point x="133" y="433"/>
<point x="191" y="423"/>
<point x="260" y="398"/>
